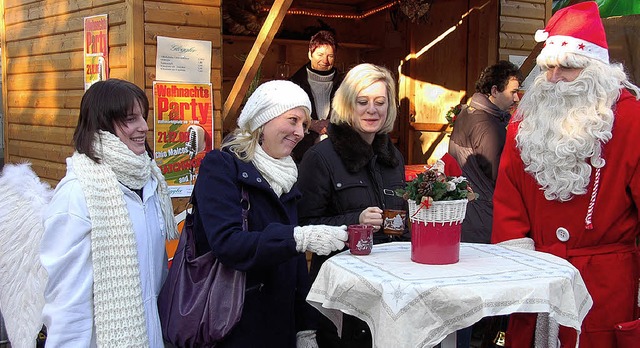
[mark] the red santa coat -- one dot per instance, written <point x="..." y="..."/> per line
<point x="607" y="256"/>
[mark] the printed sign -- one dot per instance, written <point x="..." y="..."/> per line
<point x="183" y="60"/>
<point x="183" y="118"/>
<point x="96" y="49"/>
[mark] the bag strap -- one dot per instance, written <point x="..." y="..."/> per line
<point x="245" y="209"/>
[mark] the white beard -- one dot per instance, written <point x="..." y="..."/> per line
<point x="564" y="126"/>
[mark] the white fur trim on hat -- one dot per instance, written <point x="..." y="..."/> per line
<point x="576" y="29"/>
<point x="555" y="46"/>
<point x="270" y="100"/>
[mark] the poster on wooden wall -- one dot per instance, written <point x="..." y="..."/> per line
<point x="183" y="126"/>
<point x="96" y="49"/>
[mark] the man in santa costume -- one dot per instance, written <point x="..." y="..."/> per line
<point x="569" y="175"/>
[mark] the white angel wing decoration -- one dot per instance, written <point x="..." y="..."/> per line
<point x="23" y="199"/>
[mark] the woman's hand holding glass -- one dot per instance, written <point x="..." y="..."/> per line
<point x="371" y="216"/>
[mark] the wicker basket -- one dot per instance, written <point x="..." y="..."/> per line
<point x="439" y="212"/>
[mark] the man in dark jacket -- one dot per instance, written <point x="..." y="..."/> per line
<point x="477" y="140"/>
<point x="320" y="79"/>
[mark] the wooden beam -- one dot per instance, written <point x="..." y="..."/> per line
<point x="530" y="62"/>
<point x="252" y="63"/>
<point x="3" y="61"/>
<point x="135" y="42"/>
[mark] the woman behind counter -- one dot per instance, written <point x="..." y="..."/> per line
<point x="351" y="177"/>
<point x="256" y="158"/>
<point x="104" y="240"/>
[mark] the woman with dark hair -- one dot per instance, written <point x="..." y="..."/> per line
<point x="105" y="228"/>
<point x="319" y="79"/>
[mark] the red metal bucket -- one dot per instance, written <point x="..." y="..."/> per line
<point x="435" y="243"/>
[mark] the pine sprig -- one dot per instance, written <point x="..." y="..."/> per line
<point x="439" y="187"/>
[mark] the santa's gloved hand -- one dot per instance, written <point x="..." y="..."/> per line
<point x="320" y="239"/>
<point x="306" y="339"/>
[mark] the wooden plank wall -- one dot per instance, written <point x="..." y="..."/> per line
<point x="463" y="39"/>
<point x="42" y="59"/>
<point x="624" y="46"/>
<point x="519" y="20"/>
<point x="43" y="73"/>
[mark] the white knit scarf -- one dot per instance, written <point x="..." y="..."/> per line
<point x="118" y="308"/>
<point x="280" y="173"/>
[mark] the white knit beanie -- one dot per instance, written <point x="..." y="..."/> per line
<point x="270" y="100"/>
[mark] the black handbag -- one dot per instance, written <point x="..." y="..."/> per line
<point x="201" y="300"/>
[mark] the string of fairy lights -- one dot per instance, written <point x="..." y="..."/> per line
<point x="325" y="14"/>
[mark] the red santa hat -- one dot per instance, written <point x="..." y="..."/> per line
<point x="575" y="29"/>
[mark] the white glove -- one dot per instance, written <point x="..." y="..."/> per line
<point x="306" y="339"/>
<point x="320" y="239"/>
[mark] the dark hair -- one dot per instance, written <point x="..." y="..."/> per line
<point x="321" y="38"/>
<point x="497" y="75"/>
<point x="104" y="106"/>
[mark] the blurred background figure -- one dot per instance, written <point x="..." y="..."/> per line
<point x="352" y="176"/>
<point x="477" y="140"/>
<point x="319" y="79"/>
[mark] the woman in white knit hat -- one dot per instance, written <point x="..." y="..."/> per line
<point x="256" y="159"/>
<point x="105" y="229"/>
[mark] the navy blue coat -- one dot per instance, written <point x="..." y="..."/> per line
<point x="277" y="278"/>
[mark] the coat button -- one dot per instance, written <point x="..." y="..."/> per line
<point x="339" y="184"/>
<point x="562" y="234"/>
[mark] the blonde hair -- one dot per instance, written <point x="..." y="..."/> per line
<point x="358" y="78"/>
<point x="243" y="142"/>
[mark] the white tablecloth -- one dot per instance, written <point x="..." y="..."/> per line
<point x="408" y="304"/>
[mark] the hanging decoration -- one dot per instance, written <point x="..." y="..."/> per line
<point x="338" y="15"/>
<point x="325" y="14"/>
<point x="243" y="17"/>
<point x="416" y="10"/>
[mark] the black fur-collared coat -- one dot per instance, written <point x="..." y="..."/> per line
<point x="343" y="175"/>
<point x="339" y="178"/>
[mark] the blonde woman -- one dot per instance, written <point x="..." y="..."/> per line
<point x="255" y="161"/>
<point x="351" y="177"/>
